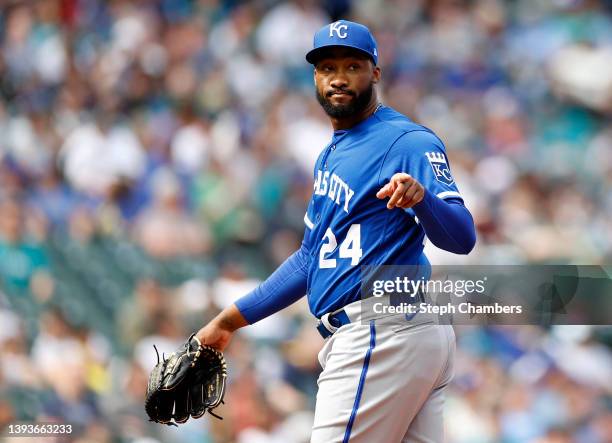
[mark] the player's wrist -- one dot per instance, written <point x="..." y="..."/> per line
<point x="421" y="204"/>
<point x="230" y="319"/>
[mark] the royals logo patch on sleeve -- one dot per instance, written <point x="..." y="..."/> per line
<point x="438" y="163"/>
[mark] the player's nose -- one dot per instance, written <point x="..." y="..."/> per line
<point x="339" y="81"/>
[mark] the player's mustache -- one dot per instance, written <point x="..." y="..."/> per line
<point x="339" y="91"/>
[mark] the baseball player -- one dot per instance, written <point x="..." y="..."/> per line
<point x="381" y="186"/>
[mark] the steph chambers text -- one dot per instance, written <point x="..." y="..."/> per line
<point x="449" y="308"/>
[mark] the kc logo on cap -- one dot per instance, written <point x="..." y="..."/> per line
<point x="338" y="27"/>
<point x="337" y="34"/>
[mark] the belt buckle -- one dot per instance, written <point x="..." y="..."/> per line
<point x="326" y="323"/>
<point x="324" y="327"/>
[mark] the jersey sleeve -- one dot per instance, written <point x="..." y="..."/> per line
<point x="284" y="287"/>
<point x="422" y="155"/>
<point x="448" y="224"/>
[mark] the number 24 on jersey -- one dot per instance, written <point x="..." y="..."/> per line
<point x="349" y="249"/>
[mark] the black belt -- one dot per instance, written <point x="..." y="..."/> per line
<point x="329" y="323"/>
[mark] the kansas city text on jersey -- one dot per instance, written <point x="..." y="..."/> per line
<point x="334" y="187"/>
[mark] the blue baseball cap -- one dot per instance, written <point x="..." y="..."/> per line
<point x="344" y="33"/>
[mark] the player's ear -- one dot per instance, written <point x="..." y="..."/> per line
<point x="376" y="74"/>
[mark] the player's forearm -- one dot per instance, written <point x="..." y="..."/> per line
<point x="284" y="287"/>
<point x="230" y="319"/>
<point x="448" y="225"/>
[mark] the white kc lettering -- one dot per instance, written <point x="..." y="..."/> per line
<point x="338" y="27"/>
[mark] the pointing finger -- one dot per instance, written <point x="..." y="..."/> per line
<point x="385" y="191"/>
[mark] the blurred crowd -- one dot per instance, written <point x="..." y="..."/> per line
<point x="155" y="164"/>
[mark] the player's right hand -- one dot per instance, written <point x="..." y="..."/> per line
<point x="220" y="330"/>
<point x="214" y="335"/>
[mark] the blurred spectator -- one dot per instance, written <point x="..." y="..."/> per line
<point x="16" y="366"/>
<point x="137" y="314"/>
<point x="166" y="230"/>
<point x="24" y="266"/>
<point x="96" y="156"/>
<point x="64" y="365"/>
<point x="190" y="146"/>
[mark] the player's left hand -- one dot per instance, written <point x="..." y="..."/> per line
<point x="405" y="191"/>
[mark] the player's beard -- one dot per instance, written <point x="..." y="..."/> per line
<point x="355" y="106"/>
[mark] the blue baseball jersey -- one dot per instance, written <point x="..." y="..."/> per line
<point x="347" y="226"/>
